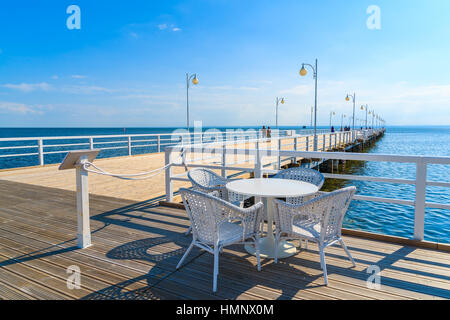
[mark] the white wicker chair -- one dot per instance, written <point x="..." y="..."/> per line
<point x="301" y="174"/>
<point x="217" y="223"/>
<point x="208" y="181"/>
<point x="318" y="220"/>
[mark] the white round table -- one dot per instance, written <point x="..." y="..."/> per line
<point x="268" y="189"/>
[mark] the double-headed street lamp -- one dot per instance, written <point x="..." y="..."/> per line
<point x="279" y="100"/>
<point x="303" y="73"/>
<point x="332" y="113"/>
<point x="347" y="98"/>
<point x="194" y="79"/>
<point x="342" y="121"/>
<point x="367" y="108"/>
<point x="373" y="117"/>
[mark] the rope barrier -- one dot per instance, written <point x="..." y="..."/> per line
<point x="135" y="176"/>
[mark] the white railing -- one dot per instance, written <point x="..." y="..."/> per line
<point x="258" y="169"/>
<point x="149" y="143"/>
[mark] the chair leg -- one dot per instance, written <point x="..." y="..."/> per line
<point x="185" y="254"/>
<point x="188" y="230"/>
<point x="348" y="252"/>
<point x="323" y="264"/>
<point x="258" y="258"/>
<point x="216" y="268"/>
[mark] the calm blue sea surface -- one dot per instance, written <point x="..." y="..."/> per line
<point x="376" y="217"/>
<point x="395" y="219"/>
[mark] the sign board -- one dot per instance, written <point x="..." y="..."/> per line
<point x="73" y="157"/>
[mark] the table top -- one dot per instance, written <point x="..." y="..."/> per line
<point x="272" y="188"/>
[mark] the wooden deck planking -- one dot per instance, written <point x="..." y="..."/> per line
<point x="135" y="254"/>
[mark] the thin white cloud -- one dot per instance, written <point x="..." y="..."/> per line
<point x="85" y="89"/>
<point x="29" y="87"/>
<point x="78" y="76"/>
<point x="55" y="77"/>
<point x="12" y="107"/>
<point x="169" y="27"/>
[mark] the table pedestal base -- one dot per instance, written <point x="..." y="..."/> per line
<point x="267" y="248"/>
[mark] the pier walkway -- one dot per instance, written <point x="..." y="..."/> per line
<point x="137" y="244"/>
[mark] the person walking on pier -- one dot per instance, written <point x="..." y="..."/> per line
<point x="264" y="131"/>
<point x="332" y="128"/>
<point x="269" y="132"/>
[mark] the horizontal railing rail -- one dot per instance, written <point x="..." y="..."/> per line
<point x="23" y="147"/>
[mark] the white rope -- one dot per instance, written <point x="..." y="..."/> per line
<point x="135" y="176"/>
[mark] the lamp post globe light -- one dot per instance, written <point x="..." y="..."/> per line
<point x="304" y="72"/>
<point x="347" y="98"/>
<point x="278" y="101"/>
<point x="366" y="107"/>
<point x="194" y="79"/>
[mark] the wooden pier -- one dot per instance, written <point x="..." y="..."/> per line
<point x="137" y="244"/>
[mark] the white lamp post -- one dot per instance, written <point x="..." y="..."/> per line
<point x="194" y="79"/>
<point x="279" y="100"/>
<point x="303" y="73"/>
<point x="347" y="98"/>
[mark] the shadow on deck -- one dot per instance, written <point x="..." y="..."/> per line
<point x="136" y="247"/>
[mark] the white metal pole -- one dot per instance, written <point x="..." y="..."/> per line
<point x="315" y="110"/>
<point x="84" y="230"/>
<point x="421" y="190"/>
<point x="168" y="176"/>
<point x="187" y="101"/>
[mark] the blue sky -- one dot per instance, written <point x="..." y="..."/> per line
<point x="126" y="65"/>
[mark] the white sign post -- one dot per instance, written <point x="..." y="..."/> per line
<point x="76" y="160"/>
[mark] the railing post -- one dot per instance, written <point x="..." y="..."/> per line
<point x="331" y="136"/>
<point x="335" y="141"/>
<point x="168" y="176"/>
<point x="158" y="142"/>
<point x="83" y="222"/>
<point x="224" y="160"/>
<point x="129" y="145"/>
<point x="421" y="191"/>
<point x="295" y="148"/>
<point x="258" y="165"/>
<point x="41" y="152"/>
<point x="307" y="143"/>
<point x="279" y="149"/>
<point x="91" y="143"/>
<point x="324" y="143"/>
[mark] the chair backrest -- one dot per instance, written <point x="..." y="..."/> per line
<point x="328" y="209"/>
<point x="302" y="174"/>
<point x="337" y="204"/>
<point x="203" y="178"/>
<point x="207" y="213"/>
<point x="201" y="214"/>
